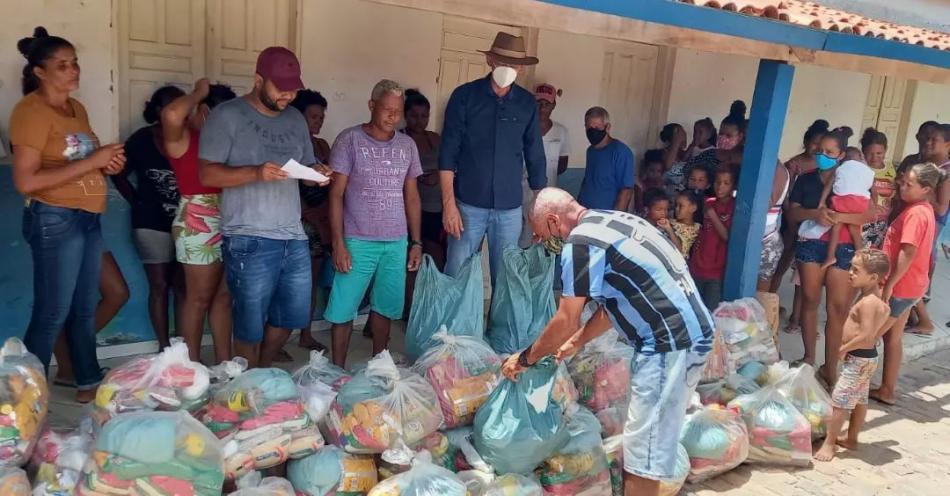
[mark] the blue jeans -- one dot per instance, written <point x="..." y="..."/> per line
<point x="270" y="284"/>
<point x="503" y="228"/>
<point x="66" y="245"/>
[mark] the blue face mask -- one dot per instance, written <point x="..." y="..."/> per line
<point x="825" y="162"/>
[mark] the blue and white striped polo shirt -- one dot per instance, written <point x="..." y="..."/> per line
<point x="626" y="265"/>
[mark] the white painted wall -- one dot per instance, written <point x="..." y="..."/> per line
<point x="88" y="26"/>
<point x="705" y="84"/>
<point x="817" y="92"/>
<point x="931" y="103"/>
<point x="574" y="64"/>
<point x="349" y="46"/>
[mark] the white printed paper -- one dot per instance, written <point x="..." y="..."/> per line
<point x="295" y="170"/>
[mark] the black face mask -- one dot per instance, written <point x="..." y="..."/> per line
<point x="595" y="136"/>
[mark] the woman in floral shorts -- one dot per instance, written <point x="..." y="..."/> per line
<point x="196" y="227"/>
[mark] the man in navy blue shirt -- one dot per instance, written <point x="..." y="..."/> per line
<point x="491" y="133"/>
<point x="609" y="174"/>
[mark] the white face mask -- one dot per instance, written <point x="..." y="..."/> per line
<point x="504" y="76"/>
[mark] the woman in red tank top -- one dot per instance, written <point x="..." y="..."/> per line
<point x="196" y="227"/>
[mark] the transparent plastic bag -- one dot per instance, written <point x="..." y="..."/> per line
<point x="671" y="487"/>
<point x="382" y="407"/>
<point x="580" y="467"/>
<point x="59" y="458"/>
<point x="155" y="453"/>
<point x="601" y="375"/>
<point x="776" y="372"/>
<point x="613" y="448"/>
<point x="261" y="420"/>
<point x="565" y="393"/>
<point x="718" y="363"/>
<point x="331" y="471"/>
<point x="439" y="300"/>
<point x="802" y="389"/>
<point x="513" y="485"/>
<point x="320" y="369"/>
<point x="723" y="391"/>
<point x="523" y="299"/>
<point x="167" y="381"/>
<point x="423" y="479"/>
<point x="778" y="433"/>
<point x="716" y="440"/>
<point x="745" y="331"/>
<point x="252" y="484"/>
<point x="13" y="482"/>
<point x="463" y="371"/>
<point x="463" y="452"/>
<point x="756" y="371"/>
<point x="24" y="398"/>
<point x="521" y="425"/>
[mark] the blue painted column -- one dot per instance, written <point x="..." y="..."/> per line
<point x="773" y="85"/>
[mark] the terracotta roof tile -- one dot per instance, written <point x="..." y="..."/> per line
<point x="818" y="16"/>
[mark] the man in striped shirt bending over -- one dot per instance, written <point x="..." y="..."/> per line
<point x="642" y="286"/>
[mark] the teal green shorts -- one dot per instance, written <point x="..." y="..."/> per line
<point x="381" y="262"/>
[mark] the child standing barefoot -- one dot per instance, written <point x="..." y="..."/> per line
<point x="858" y="354"/>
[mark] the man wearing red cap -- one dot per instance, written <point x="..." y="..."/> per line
<point x="243" y="145"/>
<point x="557" y="148"/>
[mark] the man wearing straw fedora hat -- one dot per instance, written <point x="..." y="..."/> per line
<point x="491" y="134"/>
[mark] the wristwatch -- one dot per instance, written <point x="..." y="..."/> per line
<point x="413" y="242"/>
<point x="523" y="358"/>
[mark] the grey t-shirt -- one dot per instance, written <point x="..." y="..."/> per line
<point x="236" y="134"/>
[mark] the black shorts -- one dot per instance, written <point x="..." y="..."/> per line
<point x="432" y="227"/>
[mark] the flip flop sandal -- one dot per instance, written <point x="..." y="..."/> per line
<point x="72" y="384"/>
<point x="316" y="346"/>
<point x="792" y="329"/>
<point x="917" y="332"/>
<point x="283" y="356"/>
<point x="881" y="400"/>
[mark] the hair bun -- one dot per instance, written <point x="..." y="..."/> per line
<point x="819" y="125"/>
<point x="845" y="131"/>
<point x="25" y="44"/>
<point x="737" y="109"/>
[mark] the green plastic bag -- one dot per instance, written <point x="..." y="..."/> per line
<point x="520" y="425"/>
<point x="441" y="300"/>
<point x="523" y="299"/>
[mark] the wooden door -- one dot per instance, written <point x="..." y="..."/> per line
<point x="460" y="60"/>
<point x="627" y="84"/>
<point x="160" y="42"/>
<point x="887" y="109"/>
<point x="237" y="32"/>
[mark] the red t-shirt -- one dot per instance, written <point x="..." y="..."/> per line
<point x="186" y="170"/>
<point x="708" y="260"/>
<point x="914" y="226"/>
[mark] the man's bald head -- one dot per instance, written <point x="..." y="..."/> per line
<point x="553" y="213"/>
<point x="551" y="201"/>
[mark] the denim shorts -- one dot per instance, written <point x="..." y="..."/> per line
<point x="270" y="284"/>
<point x="662" y="385"/>
<point x="816" y="251"/>
<point x="381" y="262"/>
<point x="901" y="305"/>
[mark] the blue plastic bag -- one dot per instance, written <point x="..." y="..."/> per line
<point x="520" y="425"/>
<point x="331" y="471"/>
<point x="523" y="299"/>
<point x="580" y="467"/>
<point x="441" y="300"/>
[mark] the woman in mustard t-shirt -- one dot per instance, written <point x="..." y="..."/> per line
<point x="59" y="167"/>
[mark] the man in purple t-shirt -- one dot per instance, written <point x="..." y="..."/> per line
<point x="373" y="202"/>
